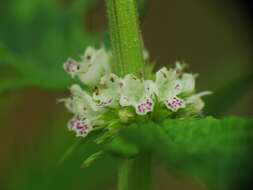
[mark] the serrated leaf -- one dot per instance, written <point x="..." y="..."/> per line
<point x="201" y="147"/>
<point x="218" y="151"/>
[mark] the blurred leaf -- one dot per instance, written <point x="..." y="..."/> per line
<point x="28" y="75"/>
<point x="91" y="159"/>
<point x="225" y="97"/>
<point x="217" y="151"/>
<point x="39" y="36"/>
<point x="70" y="150"/>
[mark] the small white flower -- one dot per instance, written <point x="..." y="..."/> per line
<point x="96" y="63"/>
<point x="72" y="67"/>
<point x="167" y="87"/>
<point x="136" y="93"/>
<point x="93" y="65"/>
<point x="81" y="103"/>
<point x="107" y="93"/>
<point x="188" y="83"/>
<point x="172" y="87"/>
<point x="80" y="125"/>
<point x="196" y="101"/>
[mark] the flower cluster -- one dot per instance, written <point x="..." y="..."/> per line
<point x="129" y="96"/>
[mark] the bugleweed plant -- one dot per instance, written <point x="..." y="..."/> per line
<point x="139" y="115"/>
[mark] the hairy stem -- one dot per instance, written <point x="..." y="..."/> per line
<point x="134" y="174"/>
<point x="125" y="37"/>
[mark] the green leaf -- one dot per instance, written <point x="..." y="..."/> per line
<point x="91" y="159"/>
<point x="48" y="33"/>
<point x="27" y="74"/>
<point x="201" y="147"/>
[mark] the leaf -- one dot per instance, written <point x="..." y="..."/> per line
<point x="70" y="151"/>
<point x="216" y="151"/>
<point x="91" y="159"/>
<point x="48" y="33"/>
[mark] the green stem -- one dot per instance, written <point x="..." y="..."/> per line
<point x="128" y="58"/>
<point x="134" y="174"/>
<point x="125" y="37"/>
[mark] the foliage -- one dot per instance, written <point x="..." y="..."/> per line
<point x="217" y="151"/>
<point x="48" y="32"/>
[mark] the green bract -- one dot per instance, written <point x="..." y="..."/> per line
<point x="172" y="90"/>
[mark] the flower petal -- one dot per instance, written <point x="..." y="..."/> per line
<point x="81" y="103"/>
<point x="167" y="84"/>
<point x="188" y="83"/>
<point x="195" y="97"/>
<point x="174" y="104"/>
<point x="108" y="91"/>
<point x="71" y="67"/>
<point x="96" y="63"/>
<point x="133" y="90"/>
<point x="81" y="126"/>
<point x="144" y="107"/>
<point x="138" y="94"/>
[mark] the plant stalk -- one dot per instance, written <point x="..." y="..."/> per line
<point x="125" y="37"/>
<point x="127" y="49"/>
<point x="135" y="174"/>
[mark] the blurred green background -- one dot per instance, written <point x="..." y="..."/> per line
<point x="36" y="36"/>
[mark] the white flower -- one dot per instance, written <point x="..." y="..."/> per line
<point x="188" y="83"/>
<point x="97" y="65"/>
<point x="80" y="125"/>
<point x="167" y="87"/>
<point x="173" y="88"/>
<point x="196" y="101"/>
<point x="72" y="67"/>
<point x="93" y="65"/>
<point x="85" y="110"/>
<point x="107" y="93"/>
<point x="137" y="93"/>
<point x="81" y="103"/>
